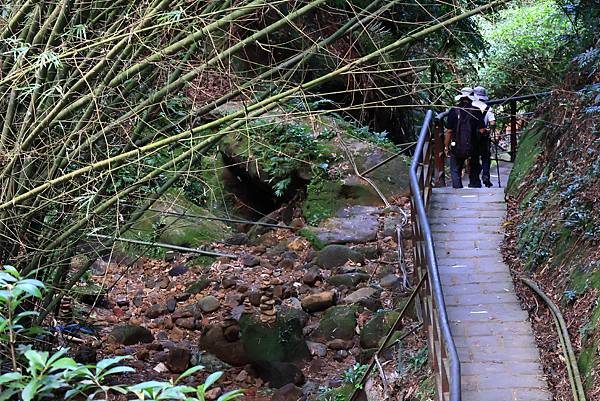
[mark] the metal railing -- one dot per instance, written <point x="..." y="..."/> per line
<point x="443" y="354"/>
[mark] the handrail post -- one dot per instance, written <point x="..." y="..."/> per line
<point x="513" y="130"/>
<point x="438" y="141"/>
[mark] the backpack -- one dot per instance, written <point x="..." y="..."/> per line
<point x="464" y="136"/>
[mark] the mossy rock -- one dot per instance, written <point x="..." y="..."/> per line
<point x="377" y="328"/>
<point x="90" y="293"/>
<point x="130" y="334"/>
<point x="322" y="201"/>
<point x="198" y="286"/>
<point x="187" y="231"/>
<point x="338" y="322"/>
<point x="282" y="341"/>
<point x="333" y="256"/>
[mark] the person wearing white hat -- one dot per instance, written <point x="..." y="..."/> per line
<point x="464" y="123"/>
<point x="489" y="120"/>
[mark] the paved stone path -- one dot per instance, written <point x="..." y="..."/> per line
<point x="496" y="347"/>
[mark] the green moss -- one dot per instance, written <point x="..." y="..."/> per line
<point x="202" y="261"/>
<point x="377" y="328"/>
<point x="186" y="231"/>
<point x="586" y="362"/>
<point x="338" y="322"/>
<point x="312" y="237"/>
<point x="530" y="146"/>
<point x="322" y="201"/>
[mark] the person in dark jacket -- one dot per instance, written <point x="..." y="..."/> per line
<point x="489" y="121"/>
<point x="464" y="125"/>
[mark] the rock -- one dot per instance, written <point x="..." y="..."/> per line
<point x="99" y="267"/>
<point x="178" y="360"/>
<point x="337" y="255"/>
<point x="338" y="322"/>
<point x="289" y="392"/>
<point x="198" y="286"/>
<point x="369" y="252"/>
<point x="229" y="282"/>
<point x="208" y="304"/>
<point x="339" y="344"/>
<point x="316" y="349"/>
<point x="138" y="299"/>
<point x="389" y="226"/>
<point x="171" y="256"/>
<point x="188" y="323"/>
<point x="361" y="295"/>
<point x="298" y="244"/>
<point x="232" y="333"/>
<point x="278" y="373"/>
<point x="340" y="355"/>
<point x="213" y="394"/>
<point x="377" y="328"/>
<point x="161" y="368"/>
<point x="311" y="276"/>
<point x="182" y="296"/>
<point x="213" y="341"/>
<point x="250" y="260"/>
<point x="209" y="361"/>
<point x="155" y="311"/>
<point x="390" y="281"/>
<point x="254" y="297"/>
<point x="122" y="300"/>
<point x="183" y="219"/>
<point x="318" y="302"/>
<point x="237" y="239"/>
<point x="171" y="304"/>
<point x="241" y="377"/>
<point x="349" y="280"/>
<point x="286" y="264"/>
<point x="353" y="229"/>
<point x="142" y="354"/>
<point x="178" y="270"/>
<point x="130" y="334"/>
<point x="163" y="283"/>
<point x="281" y="341"/>
<point x="85" y="355"/>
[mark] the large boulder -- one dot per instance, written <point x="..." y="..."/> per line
<point x="172" y="221"/>
<point x="281" y="341"/>
<point x="333" y="256"/>
<point x="338" y="322"/>
<point x="354" y="224"/>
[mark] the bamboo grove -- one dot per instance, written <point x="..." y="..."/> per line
<point x="92" y="90"/>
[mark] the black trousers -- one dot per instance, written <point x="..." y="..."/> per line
<point x="456" y="167"/>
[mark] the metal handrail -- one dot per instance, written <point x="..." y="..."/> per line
<point x="426" y="258"/>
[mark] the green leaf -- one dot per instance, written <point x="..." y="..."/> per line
<point x="36" y="359"/>
<point x="211" y="379"/>
<point x="30" y="390"/>
<point x="105" y="363"/>
<point x="190" y="371"/>
<point x="231" y="395"/>
<point x="10" y="377"/>
<point x="118" y="369"/>
<point x="65" y="363"/>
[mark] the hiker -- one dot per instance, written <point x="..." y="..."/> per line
<point x="489" y="121"/>
<point x="464" y="124"/>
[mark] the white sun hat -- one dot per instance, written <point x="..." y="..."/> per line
<point x="465" y="92"/>
<point x="480" y="93"/>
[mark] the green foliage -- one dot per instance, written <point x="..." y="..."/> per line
<point x="283" y="150"/>
<point x="47" y="376"/>
<point x="527" y="49"/>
